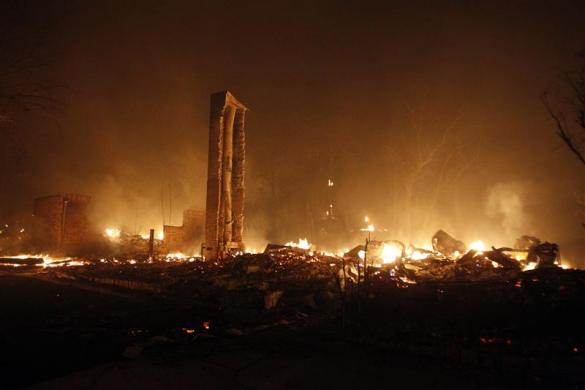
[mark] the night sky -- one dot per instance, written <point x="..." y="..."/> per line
<point x="426" y="115"/>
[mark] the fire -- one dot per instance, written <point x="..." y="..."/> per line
<point x="529" y="266"/>
<point x="48" y="261"/>
<point x="390" y="253"/>
<point x="418" y="255"/>
<point x="112" y="232"/>
<point x="302" y="244"/>
<point x="369" y="226"/>
<point x="176" y="256"/>
<point x="477" y="246"/>
<point x="160" y="235"/>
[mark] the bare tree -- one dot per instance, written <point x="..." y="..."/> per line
<point x="568" y="114"/>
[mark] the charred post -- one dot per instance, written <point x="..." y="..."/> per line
<point x="151" y="244"/>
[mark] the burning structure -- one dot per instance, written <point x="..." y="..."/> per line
<point x="224" y="219"/>
<point x="63" y="221"/>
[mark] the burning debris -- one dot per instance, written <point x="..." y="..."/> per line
<point x="445" y="244"/>
<point x="443" y="262"/>
<point x="294" y="285"/>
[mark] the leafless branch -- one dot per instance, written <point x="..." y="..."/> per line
<point x="562" y="130"/>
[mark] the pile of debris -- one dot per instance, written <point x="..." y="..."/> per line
<point x="450" y="259"/>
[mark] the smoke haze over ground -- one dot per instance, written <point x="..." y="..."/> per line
<point x="425" y="115"/>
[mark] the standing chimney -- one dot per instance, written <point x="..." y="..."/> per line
<point x="224" y="218"/>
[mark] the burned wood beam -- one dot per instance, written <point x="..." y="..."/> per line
<point x="151" y="244"/>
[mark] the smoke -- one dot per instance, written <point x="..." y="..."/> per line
<point x="505" y="203"/>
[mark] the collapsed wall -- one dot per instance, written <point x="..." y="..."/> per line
<point x="63" y="220"/>
<point x="187" y="236"/>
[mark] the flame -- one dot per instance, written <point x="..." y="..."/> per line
<point x="390" y="253"/>
<point x="302" y="244"/>
<point x="477" y="246"/>
<point x="418" y="255"/>
<point x="112" y="232"/>
<point x="48" y="261"/>
<point x="520" y="255"/>
<point x="529" y="266"/>
<point x="160" y="235"/>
